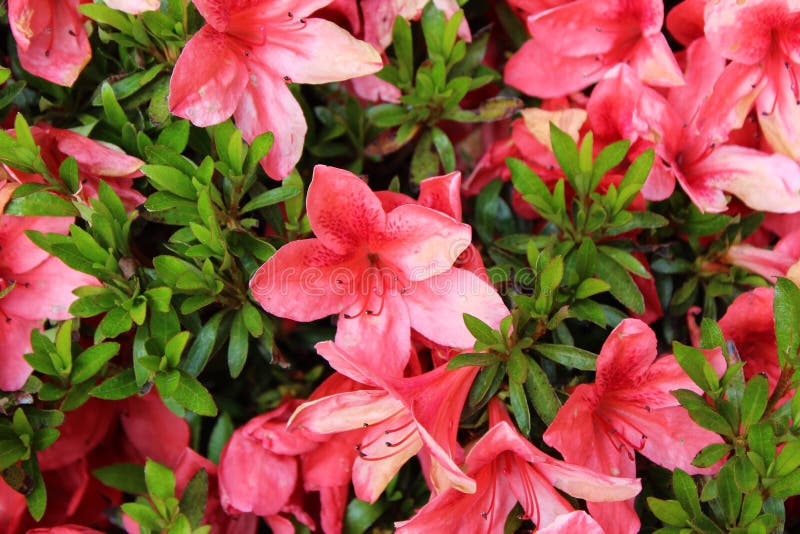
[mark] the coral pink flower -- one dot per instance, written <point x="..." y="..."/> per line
<point x="259" y="47"/>
<point x="577" y="521"/>
<point x="687" y="131"/>
<point x="573" y="45"/>
<point x="384" y="273"/>
<point x="760" y="37"/>
<point x="64" y="529"/>
<point x="685" y="21"/>
<point x="34" y="287"/>
<point x="750" y="324"/>
<point x="629" y="408"/>
<point x="398" y="420"/>
<point x="96" y="162"/>
<point x="767" y="263"/>
<point x="51" y="39"/>
<point x="134" y="7"/>
<point x="509" y="469"/>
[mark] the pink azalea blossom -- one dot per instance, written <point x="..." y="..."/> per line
<point x="685" y="21"/>
<point x="629" y="408"/>
<point x="382" y="272"/>
<point x="399" y="419"/>
<point x="96" y="162"/>
<point x="688" y="130"/>
<point x="64" y="529"/>
<point x="51" y="40"/>
<point x="573" y="45"/>
<point x="765" y="262"/>
<point x="134" y="7"/>
<point x="34" y="287"/>
<point x="509" y="469"/>
<point x="577" y="521"/>
<point x="260" y="47"/>
<point x="760" y="38"/>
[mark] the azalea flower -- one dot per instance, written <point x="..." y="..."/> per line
<point x="765" y="262"/>
<point x="629" y="408"/>
<point x="574" y="44"/>
<point x="33" y="287"/>
<point x="96" y="162"/>
<point x="508" y="469"/>
<point x="688" y="130"/>
<point x="258" y="48"/>
<point x="397" y="418"/>
<point x="51" y="40"/>
<point x="382" y="272"/>
<point x="760" y="39"/>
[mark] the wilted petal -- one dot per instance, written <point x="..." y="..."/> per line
<point x="207" y="92"/>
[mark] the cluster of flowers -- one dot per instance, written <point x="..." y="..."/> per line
<point x="399" y="273"/>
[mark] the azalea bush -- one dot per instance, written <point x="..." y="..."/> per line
<point x="373" y="265"/>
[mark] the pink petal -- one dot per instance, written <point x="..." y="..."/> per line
<point x="390" y="199"/>
<point x="153" y="430"/>
<point x="207" y="92"/>
<point x="437" y="305"/>
<point x="345" y="411"/>
<point x="765" y="182"/>
<point x="539" y="499"/>
<point x="52" y="42"/>
<point x="577" y="521"/>
<point x="654" y="63"/>
<point x="83" y="429"/>
<point x="343" y="211"/>
<point x="305" y="281"/>
<point x="626" y="356"/>
<point x="616" y="517"/>
<point x="45" y="292"/>
<point x="320" y="52"/>
<point x="421" y="242"/>
<point x="371" y="476"/>
<point x="134" y="7"/>
<point x="14" y="342"/>
<point x="19" y="253"/>
<point x="685" y="21"/>
<point x="442" y="193"/>
<point x="93" y="157"/>
<point x="373" y="89"/>
<point x="743" y="32"/>
<point x="379" y="343"/>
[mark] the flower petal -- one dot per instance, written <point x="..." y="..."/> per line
<point x="437" y="305"/>
<point x="442" y="193"/>
<point x="346" y="411"/>
<point x="421" y="242"/>
<point x="342" y="209"/>
<point x="207" y="92"/>
<point x="626" y="356"/>
<point x="15" y="337"/>
<point x="320" y="52"/>
<point x="305" y="281"/>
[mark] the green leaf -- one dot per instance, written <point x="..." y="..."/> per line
<point x="786" y="306"/>
<point x="113" y="111"/>
<point x="222" y="431"/>
<point x="116" y="322"/>
<point x="788" y="460"/>
<point x="40" y="204"/>
<point x="106" y="15"/>
<point x="175" y="136"/>
<point x="159" y="479"/>
<point x="670" y="512"/>
<point x="36" y="496"/>
<point x="170" y="179"/>
<point x="387" y="115"/>
<point x="786" y="486"/>
<point x="238" y="343"/>
<point x="568" y="356"/>
<point x="194" y="498"/>
<point x="754" y="400"/>
<point x="591" y="287"/>
<point x="626" y="260"/>
<point x="711" y="454"/>
<point x="444" y="147"/>
<point x="566" y="152"/>
<point x="259" y="147"/>
<point x="202" y="346"/>
<point x="551" y="275"/>
<point x="541" y="393"/>
<point x="68" y="171"/>
<point x="193" y="396"/>
<point x="467" y="359"/>
<point x="271" y="197"/>
<point x="360" y="515"/>
<point x="174" y="348"/>
<point x="744" y="473"/>
<point x="143" y="515"/>
<point x="729" y="495"/>
<point x="761" y="438"/>
<point x="90" y="361"/>
<point x="608" y="158"/>
<point x="519" y="405"/>
<point x="482" y="331"/>
<point x="120" y="386"/>
<point x="493" y="109"/>
<point x="694" y="362"/>
<point x="622" y="286"/>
